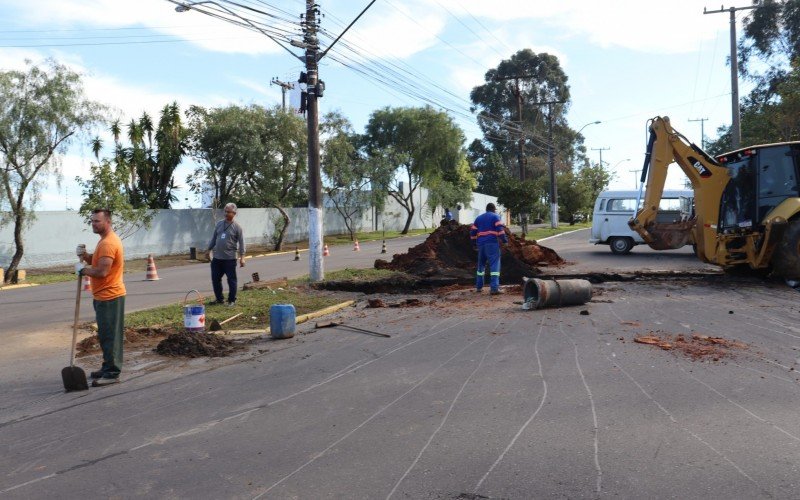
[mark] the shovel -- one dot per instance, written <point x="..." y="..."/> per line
<point x="333" y="324"/>
<point x="73" y="376"/>
<point x="217" y="325"/>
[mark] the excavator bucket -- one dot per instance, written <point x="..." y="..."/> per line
<point x="668" y="236"/>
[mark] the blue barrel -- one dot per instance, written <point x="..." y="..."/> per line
<point x="282" y="321"/>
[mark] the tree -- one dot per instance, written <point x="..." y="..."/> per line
<point x="452" y="187"/>
<point x="764" y="120"/>
<point x="419" y="143"/>
<point x="349" y="175"/>
<point x="41" y="110"/>
<point x="224" y="142"/>
<point x="772" y="35"/>
<point x="769" y="51"/>
<point x="276" y="173"/>
<point x="488" y="166"/>
<point x="596" y="179"/>
<point x="105" y="188"/>
<point x="522" y="197"/>
<point x="513" y="121"/>
<point x="150" y="166"/>
<point x="573" y="196"/>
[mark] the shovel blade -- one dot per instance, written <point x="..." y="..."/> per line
<point x="74" y="379"/>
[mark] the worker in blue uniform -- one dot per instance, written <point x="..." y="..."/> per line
<point x="486" y="234"/>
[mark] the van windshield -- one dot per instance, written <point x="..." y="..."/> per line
<point x="628" y="204"/>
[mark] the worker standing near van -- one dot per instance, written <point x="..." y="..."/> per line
<point x="486" y="234"/>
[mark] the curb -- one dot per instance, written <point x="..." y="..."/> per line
<point x="20" y="285"/>
<point x="300" y="319"/>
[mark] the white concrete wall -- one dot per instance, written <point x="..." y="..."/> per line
<point x="52" y="237"/>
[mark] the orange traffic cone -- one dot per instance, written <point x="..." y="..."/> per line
<point x="356" y="248"/>
<point x="325" y="251"/>
<point x="87" y="284"/>
<point x="152" y="274"/>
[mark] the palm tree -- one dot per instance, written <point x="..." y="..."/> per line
<point x="97" y="145"/>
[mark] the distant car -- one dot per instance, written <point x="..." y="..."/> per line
<point x="613" y="210"/>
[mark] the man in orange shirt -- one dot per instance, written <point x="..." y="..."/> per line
<point x="107" y="265"/>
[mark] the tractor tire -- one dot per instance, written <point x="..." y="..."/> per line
<point x="621" y="245"/>
<point x="786" y="259"/>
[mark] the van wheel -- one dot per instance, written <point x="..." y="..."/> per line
<point x="621" y="246"/>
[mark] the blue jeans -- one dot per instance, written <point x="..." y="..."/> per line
<point x="489" y="253"/>
<point x="227" y="267"/>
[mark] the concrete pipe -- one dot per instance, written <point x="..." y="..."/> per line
<point x="539" y="293"/>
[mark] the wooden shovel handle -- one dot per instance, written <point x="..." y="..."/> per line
<point x="75" y="324"/>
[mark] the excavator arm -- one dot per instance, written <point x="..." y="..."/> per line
<point x="708" y="179"/>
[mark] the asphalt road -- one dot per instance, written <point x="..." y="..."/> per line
<point x="584" y="257"/>
<point x="471" y="397"/>
<point x="53" y="306"/>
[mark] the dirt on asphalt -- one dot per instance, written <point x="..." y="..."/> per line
<point x="695" y="347"/>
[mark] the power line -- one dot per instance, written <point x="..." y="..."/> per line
<point x="468" y="28"/>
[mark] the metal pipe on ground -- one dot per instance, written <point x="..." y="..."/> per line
<point x="540" y="293"/>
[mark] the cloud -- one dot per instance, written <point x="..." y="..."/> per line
<point x="667" y="27"/>
<point x="194" y="26"/>
<point x="399" y="32"/>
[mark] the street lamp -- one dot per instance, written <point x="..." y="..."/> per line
<point x="598" y="122"/>
<point x="626" y="159"/>
<point x="187" y="6"/>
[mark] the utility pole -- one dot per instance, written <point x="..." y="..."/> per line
<point x="551" y="162"/>
<point x="702" y="131"/>
<point x="521" y="141"/>
<point x="635" y="177"/>
<point x="315" y="90"/>
<point x="315" y="208"/>
<point x="736" y="126"/>
<point x="551" y="166"/>
<point x="285" y="86"/>
<point x="601" y="154"/>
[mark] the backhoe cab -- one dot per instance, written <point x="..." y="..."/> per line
<point x="747" y="203"/>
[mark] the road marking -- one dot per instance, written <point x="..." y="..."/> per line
<point x="530" y="419"/>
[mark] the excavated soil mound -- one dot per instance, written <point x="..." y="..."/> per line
<point x="448" y="253"/>
<point x="132" y="337"/>
<point x="195" y="345"/>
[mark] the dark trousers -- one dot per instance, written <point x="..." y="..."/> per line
<point x="219" y="268"/>
<point x="110" y="315"/>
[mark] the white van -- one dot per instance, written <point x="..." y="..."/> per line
<point x="613" y="210"/>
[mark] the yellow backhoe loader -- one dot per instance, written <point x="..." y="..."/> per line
<point x="747" y="203"/>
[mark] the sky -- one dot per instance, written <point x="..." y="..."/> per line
<point x="626" y="60"/>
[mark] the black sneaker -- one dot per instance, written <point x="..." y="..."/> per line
<point x="97" y="374"/>
<point x="103" y="381"/>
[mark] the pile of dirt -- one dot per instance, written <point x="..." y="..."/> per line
<point x="195" y="345"/>
<point x="696" y="347"/>
<point x="448" y="253"/>
<point x="132" y="337"/>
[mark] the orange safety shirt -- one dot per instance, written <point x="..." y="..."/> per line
<point x="111" y="286"/>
